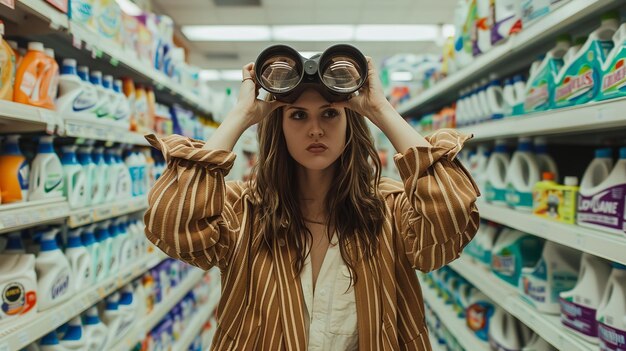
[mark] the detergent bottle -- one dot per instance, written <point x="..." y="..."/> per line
<point x="141" y="109"/>
<point x="115" y="318"/>
<point x="103" y="236"/>
<point x="18" y="282"/>
<point x="74" y="338"/>
<point x="90" y="93"/>
<point x="611" y="315"/>
<point x="132" y="162"/>
<point x="12" y="243"/>
<point x="91" y="174"/>
<point x="460" y="110"/>
<point x="112" y="175"/>
<point x="96" y="332"/>
<point x="495" y="98"/>
<point x="512" y="251"/>
<point x="513" y="95"/>
<point x="556" y="271"/>
<point x="478" y="165"/>
<point x="124" y="181"/>
<point x="80" y="261"/>
<point x="601" y="206"/>
<point x="126" y="247"/>
<point x="107" y="83"/>
<point x="122" y="111"/>
<point x="579" y="305"/>
<point x="115" y="237"/>
<point x="540" y="87"/>
<point x="483" y="100"/>
<point x="537" y="343"/>
<point x="521" y="177"/>
<point x="18" y="52"/>
<point x="30" y="77"/>
<point x="82" y="11"/>
<point x="50" y="342"/>
<point x="76" y="98"/>
<point x="613" y="69"/>
<point x="50" y="84"/>
<point x="46" y="175"/>
<point x="479" y="313"/>
<point x="495" y="185"/>
<point x="7" y="67"/>
<point x="94" y="249"/>
<point x="506" y="332"/>
<point x="482" y="28"/>
<point x="129" y="92"/>
<point x="103" y="109"/>
<point x="579" y="81"/>
<point x="101" y="181"/>
<point x="15" y="171"/>
<point x="463" y="21"/>
<point x="128" y="304"/>
<point x="75" y="178"/>
<point x="506" y="19"/>
<point x="55" y="283"/>
<point x="545" y="162"/>
<point x="487" y="241"/>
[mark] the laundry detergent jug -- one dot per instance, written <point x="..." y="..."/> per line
<point x="18" y="284"/>
<point x="80" y="261"/>
<point x="31" y="76"/>
<point x="101" y="181"/>
<point x="545" y="162"/>
<point x="614" y="68"/>
<point x="506" y="332"/>
<point x="91" y="175"/>
<point x="14" y="170"/>
<point x="96" y="332"/>
<point x="75" y="178"/>
<point x="74" y="338"/>
<point x="479" y="313"/>
<point x="94" y="249"/>
<point x="513" y="251"/>
<point x="46" y="174"/>
<point x="521" y="177"/>
<point x="612" y="312"/>
<point x="55" y="283"/>
<point x="495" y="185"/>
<point x="7" y="67"/>
<point x="506" y="19"/>
<point x="76" y="99"/>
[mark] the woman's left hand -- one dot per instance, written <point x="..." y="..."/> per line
<point x="371" y="100"/>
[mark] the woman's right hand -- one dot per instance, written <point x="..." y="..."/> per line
<point x="253" y="109"/>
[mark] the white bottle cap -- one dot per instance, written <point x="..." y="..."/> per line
<point x="69" y="62"/>
<point x="35" y="46"/>
<point x="49" y="52"/>
<point x="96" y="73"/>
<point x="571" y="181"/>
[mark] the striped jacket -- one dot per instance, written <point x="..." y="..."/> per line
<point x="197" y="217"/>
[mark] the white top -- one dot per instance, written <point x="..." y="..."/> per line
<point x="331" y="313"/>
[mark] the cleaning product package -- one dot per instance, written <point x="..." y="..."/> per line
<point x="33" y="77"/>
<point x="7" y="67"/>
<point x="495" y="184"/>
<point x="612" y="312"/>
<point x="506" y="332"/>
<point x="479" y="313"/>
<point x="76" y="98"/>
<point x="18" y="283"/>
<point x="15" y="171"/>
<point x="55" y="283"/>
<point x="555" y="201"/>
<point x="46" y="174"/>
<point x="614" y="68"/>
<point x="521" y="176"/>
<point x="513" y="251"/>
<point x="506" y="19"/>
<point x="75" y="178"/>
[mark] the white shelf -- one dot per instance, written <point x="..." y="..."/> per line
<point x="142" y="327"/>
<point x="506" y="296"/>
<point x="610" y="246"/>
<point x="30" y="213"/>
<point x="453" y="323"/>
<point x="21" y="333"/>
<point x="42" y="9"/>
<point x="513" y="49"/>
<point x="590" y="117"/>
<point x="101" y="131"/>
<point x="199" y="319"/>
<point x="80" y="217"/>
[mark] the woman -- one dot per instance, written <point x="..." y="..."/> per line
<point x="316" y="252"/>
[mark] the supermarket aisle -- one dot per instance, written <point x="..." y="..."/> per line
<point x="540" y="84"/>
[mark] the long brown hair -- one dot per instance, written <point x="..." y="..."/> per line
<point x="355" y="207"/>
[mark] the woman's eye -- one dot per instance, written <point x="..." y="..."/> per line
<point x="298" y="115"/>
<point x="330" y="113"/>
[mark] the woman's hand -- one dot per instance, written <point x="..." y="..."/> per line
<point x="371" y="100"/>
<point x="252" y="109"/>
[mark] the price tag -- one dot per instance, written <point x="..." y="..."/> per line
<point x="49" y="118"/>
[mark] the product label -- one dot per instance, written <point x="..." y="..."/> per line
<point x="494" y="194"/>
<point x="60" y="286"/>
<point x="605" y="208"/>
<point x="580" y="318"/>
<point x="515" y="198"/>
<point x="611" y="339"/>
<point x="614" y="81"/>
<point x="16" y="300"/>
<point x="504" y="263"/>
<point x="537" y="97"/>
<point x="28" y="83"/>
<point x="477" y="318"/>
<point x="575" y="86"/>
<point x="536" y="285"/>
<point x="110" y="21"/>
<point x="84" y="101"/>
<point x="82" y="11"/>
<point x="23" y="175"/>
<point x="53" y="181"/>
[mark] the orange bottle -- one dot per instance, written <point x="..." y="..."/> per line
<point x="151" y="109"/>
<point x="17" y="51"/>
<point x="15" y="172"/>
<point x="7" y="67"/>
<point x="30" y="76"/>
<point x="129" y="91"/>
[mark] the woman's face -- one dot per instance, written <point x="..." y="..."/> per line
<point x="315" y="130"/>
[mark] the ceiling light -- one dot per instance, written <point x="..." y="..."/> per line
<point x="313" y="33"/>
<point x="209" y="74"/>
<point x="129" y="7"/>
<point x="227" y="33"/>
<point x="401" y="76"/>
<point x="400" y="32"/>
<point x="231" y="74"/>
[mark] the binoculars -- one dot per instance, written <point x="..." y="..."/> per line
<point x="336" y="73"/>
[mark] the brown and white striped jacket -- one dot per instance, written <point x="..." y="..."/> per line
<point x="197" y="217"/>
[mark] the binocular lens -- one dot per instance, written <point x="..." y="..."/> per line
<point x="342" y="74"/>
<point x="280" y="73"/>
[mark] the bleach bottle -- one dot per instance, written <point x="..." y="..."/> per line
<point x="514" y="95"/>
<point x="90" y="92"/>
<point x="495" y="99"/>
<point x="75" y="178"/>
<point x="521" y="176"/>
<point x="46" y="176"/>
<point x="123" y="185"/>
<point x="15" y="172"/>
<point x="495" y="184"/>
<point x="478" y="165"/>
<point x="91" y="175"/>
<point x="101" y="182"/>
<point x="94" y="249"/>
<point x="103" y="237"/>
<point x="579" y="305"/>
<point x="115" y="238"/>
<point x="126" y="245"/>
<point x="18" y="282"/>
<point x="612" y="312"/>
<point x="55" y="283"/>
<point x="122" y="110"/>
<point x="540" y="87"/>
<point x="545" y="162"/>
<point x="112" y="175"/>
<point x="579" y="81"/>
<point x="506" y="332"/>
<point x="601" y="205"/>
<point x="513" y="251"/>
<point x="613" y="69"/>
<point x="103" y="109"/>
<point x="487" y="242"/>
<point x="80" y="261"/>
<point x="506" y="19"/>
<point x="96" y="332"/>
<point x="107" y="83"/>
<point x="74" y="338"/>
<point x="556" y="271"/>
<point x="116" y="319"/>
<point x="76" y="100"/>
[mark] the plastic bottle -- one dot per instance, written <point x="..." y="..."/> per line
<point x="114" y="236"/>
<point x="487" y="242"/>
<point x="90" y="93"/>
<point x="151" y="99"/>
<point x="521" y="177"/>
<point x="506" y="19"/>
<point x="94" y="250"/>
<point x="18" y="53"/>
<point x="123" y="181"/>
<point x="611" y="315"/>
<point x="75" y="178"/>
<point x="74" y="338"/>
<point x="50" y="342"/>
<point x="7" y="67"/>
<point x="96" y="332"/>
<point x="536" y="343"/>
<point x="579" y="305"/>
<point x="126" y="253"/>
<point x="30" y="77"/>
<point x="602" y="206"/>
<point x="15" y="171"/>
<point x="103" y="109"/>
<point x="122" y="110"/>
<point x="613" y="70"/>
<point x="556" y="271"/>
<point x="479" y="313"/>
<point x="76" y="99"/>
<point x="141" y="109"/>
<point x="115" y="318"/>
<point x="107" y="83"/>
<point x="112" y="175"/>
<point x="46" y="174"/>
<point x="55" y="283"/>
<point x="483" y="102"/>
<point x="132" y="162"/>
<point x="50" y="83"/>
<point x="103" y="236"/>
<point x="541" y="81"/>
<point x="101" y="181"/>
<point x="18" y="283"/>
<point x="80" y="261"/>
<point x="478" y="165"/>
<point x="495" y="98"/>
<point x="482" y="28"/>
<point x="91" y="174"/>
<point x="579" y="81"/>
<point x="506" y="332"/>
<point x="463" y="21"/>
<point x="513" y="251"/>
<point x="495" y="185"/>
<point x="545" y="162"/>
<point x="129" y="91"/>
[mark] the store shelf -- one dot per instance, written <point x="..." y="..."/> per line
<point x="46" y="11"/>
<point x="506" y="296"/>
<point x="515" y="49"/>
<point x="98" y="213"/>
<point x="141" y="328"/>
<point x="21" y="333"/>
<point x="453" y="323"/>
<point x="603" y="244"/>
<point x="101" y="131"/>
<point x="199" y="319"/>
<point x="595" y="116"/>
<point x="27" y="214"/>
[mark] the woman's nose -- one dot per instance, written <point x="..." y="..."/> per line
<point x="316" y="132"/>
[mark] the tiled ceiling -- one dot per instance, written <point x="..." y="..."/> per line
<point x="228" y="55"/>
